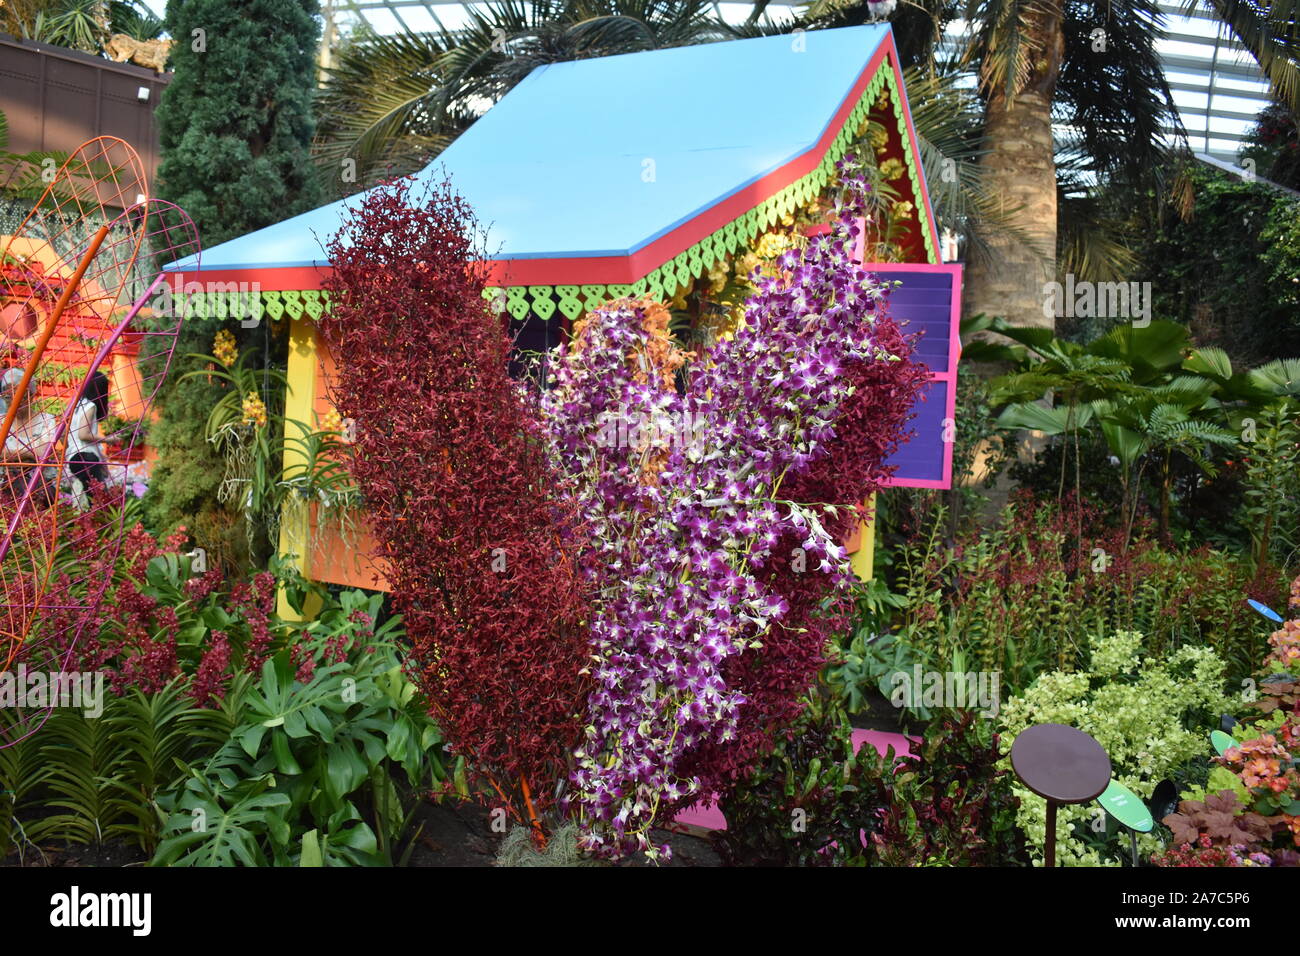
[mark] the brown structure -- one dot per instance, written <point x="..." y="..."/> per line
<point x="56" y="99"/>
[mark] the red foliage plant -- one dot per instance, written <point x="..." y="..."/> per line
<point x="457" y="491"/>
<point x="133" y="636"/>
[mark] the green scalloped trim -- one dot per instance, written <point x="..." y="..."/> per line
<point x="663" y="282"/>
<point x="277" y="305"/>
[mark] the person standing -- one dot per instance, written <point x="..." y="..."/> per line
<point x="29" y="441"/>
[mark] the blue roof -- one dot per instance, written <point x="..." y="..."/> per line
<point x="601" y="157"/>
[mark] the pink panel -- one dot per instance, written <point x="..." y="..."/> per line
<point x="709" y="817"/>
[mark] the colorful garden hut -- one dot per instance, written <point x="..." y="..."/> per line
<point x="630" y="174"/>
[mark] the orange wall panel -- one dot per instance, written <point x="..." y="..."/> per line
<point x="335" y="557"/>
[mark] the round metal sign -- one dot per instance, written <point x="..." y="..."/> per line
<point x="1060" y="763"/>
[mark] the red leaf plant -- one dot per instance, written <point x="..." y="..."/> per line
<point x="133" y="636"/>
<point x="457" y="491"/>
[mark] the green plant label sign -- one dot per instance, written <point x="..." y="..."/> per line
<point x="1221" y="741"/>
<point x="1126" y="807"/>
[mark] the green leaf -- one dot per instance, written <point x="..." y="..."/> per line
<point x="295" y="724"/>
<point x="1034" y="336"/>
<point x="285" y="761"/>
<point x="1279" y="377"/>
<point x="1157" y="347"/>
<point x="1210" y="361"/>
<point x="1124" y="443"/>
<point x="360" y="837"/>
<point x="398" y="738"/>
<point x="278" y="828"/>
<point x="311" y="853"/>
<point x="344" y="770"/>
<point x="1036" y="417"/>
<point x="251" y="739"/>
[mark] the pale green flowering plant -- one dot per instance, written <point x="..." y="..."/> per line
<point x="1145" y="712"/>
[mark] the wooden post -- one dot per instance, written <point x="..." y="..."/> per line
<point x="1049" y="844"/>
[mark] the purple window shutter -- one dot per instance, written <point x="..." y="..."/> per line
<point x="928" y="301"/>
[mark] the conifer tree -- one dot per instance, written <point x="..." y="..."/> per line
<point x="235" y="126"/>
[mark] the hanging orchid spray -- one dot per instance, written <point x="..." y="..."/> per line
<point x="689" y="511"/>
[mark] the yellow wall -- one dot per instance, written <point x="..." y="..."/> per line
<point x="299" y="403"/>
<point x="862" y="547"/>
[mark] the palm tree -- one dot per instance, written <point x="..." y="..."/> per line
<point x="78" y="24"/>
<point x="1042" y="60"/>
<point x="1022" y="199"/>
<point x="1042" y="64"/>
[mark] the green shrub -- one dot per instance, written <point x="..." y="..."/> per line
<point x="1151" y="714"/>
<point x="82" y="779"/>
<point x="307" y="775"/>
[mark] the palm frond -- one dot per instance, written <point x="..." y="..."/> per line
<point x="948" y="116"/>
<point x="1092" y="244"/>
<point x="1112" y="97"/>
<point x="384" y="105"/>
<point x="1006" y="42"/>
<point x="1279" y="377"/>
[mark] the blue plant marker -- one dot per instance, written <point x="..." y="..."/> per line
<point x="1221" y="741"/>
<point x="1264" y="609"/>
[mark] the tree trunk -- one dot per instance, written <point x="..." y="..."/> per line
<point x="1009" y="276"/>
<point x="1019" y="163"/>
<point x="1021" y="170"/>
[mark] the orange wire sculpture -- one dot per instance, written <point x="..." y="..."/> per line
<point x="72" y="282"/>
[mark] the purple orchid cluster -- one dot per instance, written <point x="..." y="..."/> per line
<point x="679" y="529"/>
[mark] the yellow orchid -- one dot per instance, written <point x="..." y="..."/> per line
<point x="892" y="168"/>
<point x="254" y="410"/>
<point x="224" y="349"/>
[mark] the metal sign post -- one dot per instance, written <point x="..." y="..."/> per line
<point x="1061" y="765"/>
